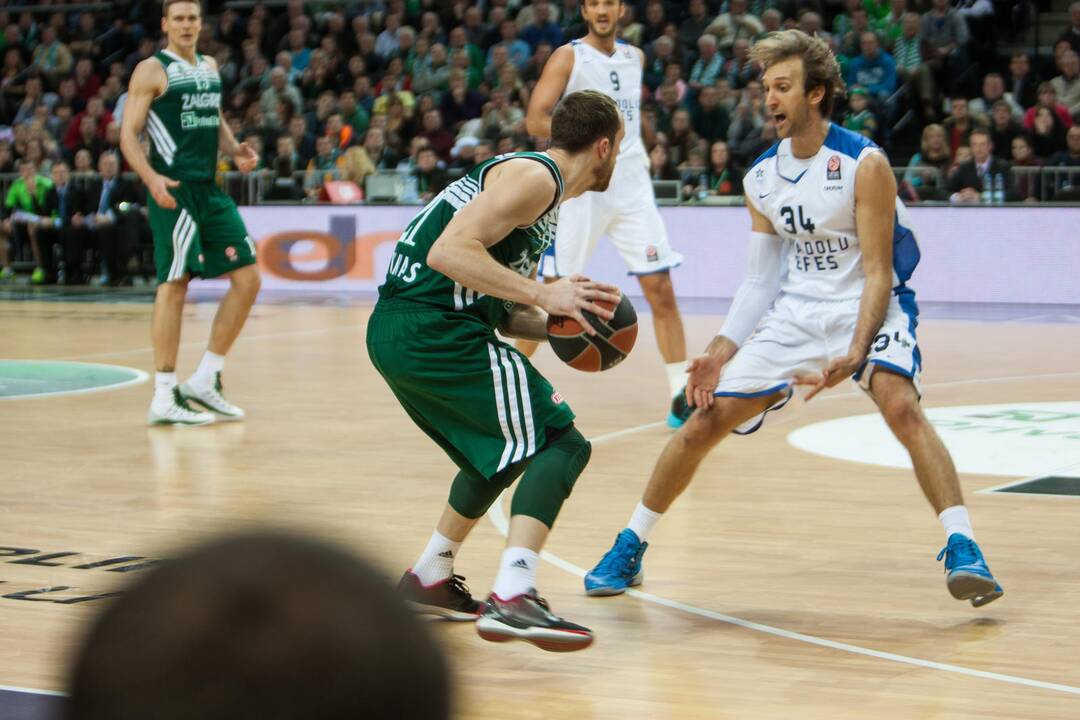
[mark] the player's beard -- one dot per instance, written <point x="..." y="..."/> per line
<point x="602" y="175"/>
<point x="612" y="25"/>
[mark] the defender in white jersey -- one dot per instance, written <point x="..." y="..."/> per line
<point x="626" y="212"/>
<point x="825" y="299"/>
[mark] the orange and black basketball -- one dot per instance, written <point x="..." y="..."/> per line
<point x="613" y="341"/>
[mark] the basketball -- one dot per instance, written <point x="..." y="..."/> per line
<point x="613" y="341"/>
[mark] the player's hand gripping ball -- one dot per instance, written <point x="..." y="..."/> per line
<point x="613" y="341"/>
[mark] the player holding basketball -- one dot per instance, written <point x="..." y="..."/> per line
<point x="463" y="267"/>
<point x="626" y="212"/>
<point x="175" y="95"/>
<point x="825" y="298"/>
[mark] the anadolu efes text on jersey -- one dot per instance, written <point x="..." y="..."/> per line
<point x="811" y="204"/>
<point x="619" y="77"/>
<point x="408" y="277"/>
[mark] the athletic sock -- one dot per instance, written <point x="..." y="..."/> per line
<point x="164" y="382"/>
<point x="643" y="520"/>
<point x="517" y="573"/>
<point x="956" y="520"/>
<point x="676" y="376"/>
<point x="209" y="367"/>
<point x="436" y="563"/>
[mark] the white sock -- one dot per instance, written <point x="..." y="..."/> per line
<point x="436" y="563"/>
<point x="643" y="520"/>
<point x="164" y="382"/>
<point x="209" y="367"/>
<point x="956" y="520"/>
<point x="517" y="573"/>
<point x="676" y="376"/>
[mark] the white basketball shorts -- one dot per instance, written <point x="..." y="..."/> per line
<point x="799" y="335"/>
<point x="626" y="213"/>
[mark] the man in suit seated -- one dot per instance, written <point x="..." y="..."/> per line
<point x="113" y="214"/>
<point x="973" y="177"/>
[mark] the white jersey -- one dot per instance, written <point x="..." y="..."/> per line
<point x="619" y="77"/>
<point x="811" y="204"/>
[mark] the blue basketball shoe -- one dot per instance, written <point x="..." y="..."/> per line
<point x="967" y="574"/>
<point x="620" y="567"/>
<point x="680" y="410"/>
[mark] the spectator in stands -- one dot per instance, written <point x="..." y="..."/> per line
<point x="259" y="625"/>
<point x="734" y="24"/>
<point x="723" y="177"/>
<point x="656" y="60"/>
<point x="874" y="70"/>
<point x="84" y="162"/>
<point x="710" y="121"/>
<point x="484" y="150"/>
<point x="430" y="179"/>
<point x="810" y="23"/>
<point x="926" y="173"/>
<point x="993" y="90"/>
<point x="325" y="162"/>
<point x="383" y="157"/>
<point x="1027" y="185"/>
<point x="695" y="24"/>
<point x="95" y="108"/>
<point x="1003" y="126"/>
<point x="542" y="28"/>
<point x="460" y="103"/>
<point x="655" y="21"/>
<point x="535" y="66"/>
<point x="1048" y="132"/>
<point x="517" y="50"/>
<point x="708" y="65"/>
<point x="849" y="45"/>
<point x="1067" y="185"/>
<point x="439" y="138"/>
<point x="51" y="56"/>
<point x="694" y="175"/>
<point x="501" y="118"/>
<point x="1022" y="84"/>
<point x="682" y="138"/>
<point x="959" y="123"/>
<point x="911" y="70"/>
<point x="24" y="204"/>
<point x="844" y="21"/>
<point x="739" y="70"/>
<point x="528" y="13"/>
<point x="1067" y="84"/>
<point x="386" y="42"/>
<point x="859" y="118"/>
<point x="500" y="58"/>
<point x="473" y="22"/>
<point x="945" y="35"/>
<point x="972" y="177"/>
<point x="466" y="56"/>
<point x="433" y="70"/>
<point x="891" y="26"/>
<point x="279" y="91"/>
<point x="1072" y="33"/>
<point x="629" y="28"/>
<point x="660" y="165"/>
<point x="356" y="165"/>
<point x="356" y="117"/>
<point x="1048" y="99"/>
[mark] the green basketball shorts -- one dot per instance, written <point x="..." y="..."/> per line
<point x="202" y="236"/>
<point x="477" y="397"/>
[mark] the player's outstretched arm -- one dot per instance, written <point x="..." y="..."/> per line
<point x="147" y="82"/>
<point x="549" y="88"/>
<point x="516" y="193"/>
<point x="875" y="213"/>
<point x="754" y="296"/>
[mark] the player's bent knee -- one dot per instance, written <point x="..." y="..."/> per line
<point x="471" y="495"/>
<point x="903" y="417"/>
<point x="551" y="476"/>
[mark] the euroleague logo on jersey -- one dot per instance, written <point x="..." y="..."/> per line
<point x="832" y="170"/>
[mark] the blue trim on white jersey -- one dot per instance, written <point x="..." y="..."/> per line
<point x="905" y="251"/>
<point x="847" y="142"/>
<point x="654" y="272"/>
<point x="759" y="393"/>
<point x="761" y="420"/>
<point x="771" y="152"/>
<point x="906" y="297"/>
<point x="890" y="366"/>
<point x="791" y="180"/>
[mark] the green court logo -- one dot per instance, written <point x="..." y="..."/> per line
<point x="44" y="378"/>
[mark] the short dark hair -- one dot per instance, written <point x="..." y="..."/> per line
<point x="259" y="625"/>
<point x="980" y="131"/>
<point x="581" y="118"/>
<point x="166" y="4"/>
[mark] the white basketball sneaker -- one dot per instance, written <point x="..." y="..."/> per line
<point x="176" y="411"/>
<point x="210" y="397"/>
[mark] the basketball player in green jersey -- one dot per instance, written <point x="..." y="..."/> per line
<point x="465" y="266"/>
<point x="175" y="96"/>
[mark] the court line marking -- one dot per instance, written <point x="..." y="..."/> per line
<point x="996" y="488"/>
<point x="502" y="524"/>
<point x="140" y="377"/>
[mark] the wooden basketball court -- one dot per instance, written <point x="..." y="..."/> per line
<point x="783" y="584"/>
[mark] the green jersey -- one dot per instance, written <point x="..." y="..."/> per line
<point x="183" y="121"/>
<point x="410" y="279"/>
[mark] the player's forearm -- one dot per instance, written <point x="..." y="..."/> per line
<point x="527" y="322"/>
<point x="226" y="140"/>
<point x="466" y="261"/>
<point x="872" y="308"/>
<point x="722" y="347"/>
<point x="538" y="124"/>
<point x="136" y="159"/>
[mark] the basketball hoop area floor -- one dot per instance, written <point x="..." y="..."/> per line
<point x="795" y="578"/>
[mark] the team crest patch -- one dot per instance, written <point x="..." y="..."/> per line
<point x="833" y="168"/>
<point x="230" y="253"/>
<point x="651" y="254"/>
<point x="556" y="398"/>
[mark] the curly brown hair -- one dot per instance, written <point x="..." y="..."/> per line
<point x="820" y="68"/>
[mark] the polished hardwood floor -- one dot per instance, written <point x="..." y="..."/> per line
<point x="783" y="584"/>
